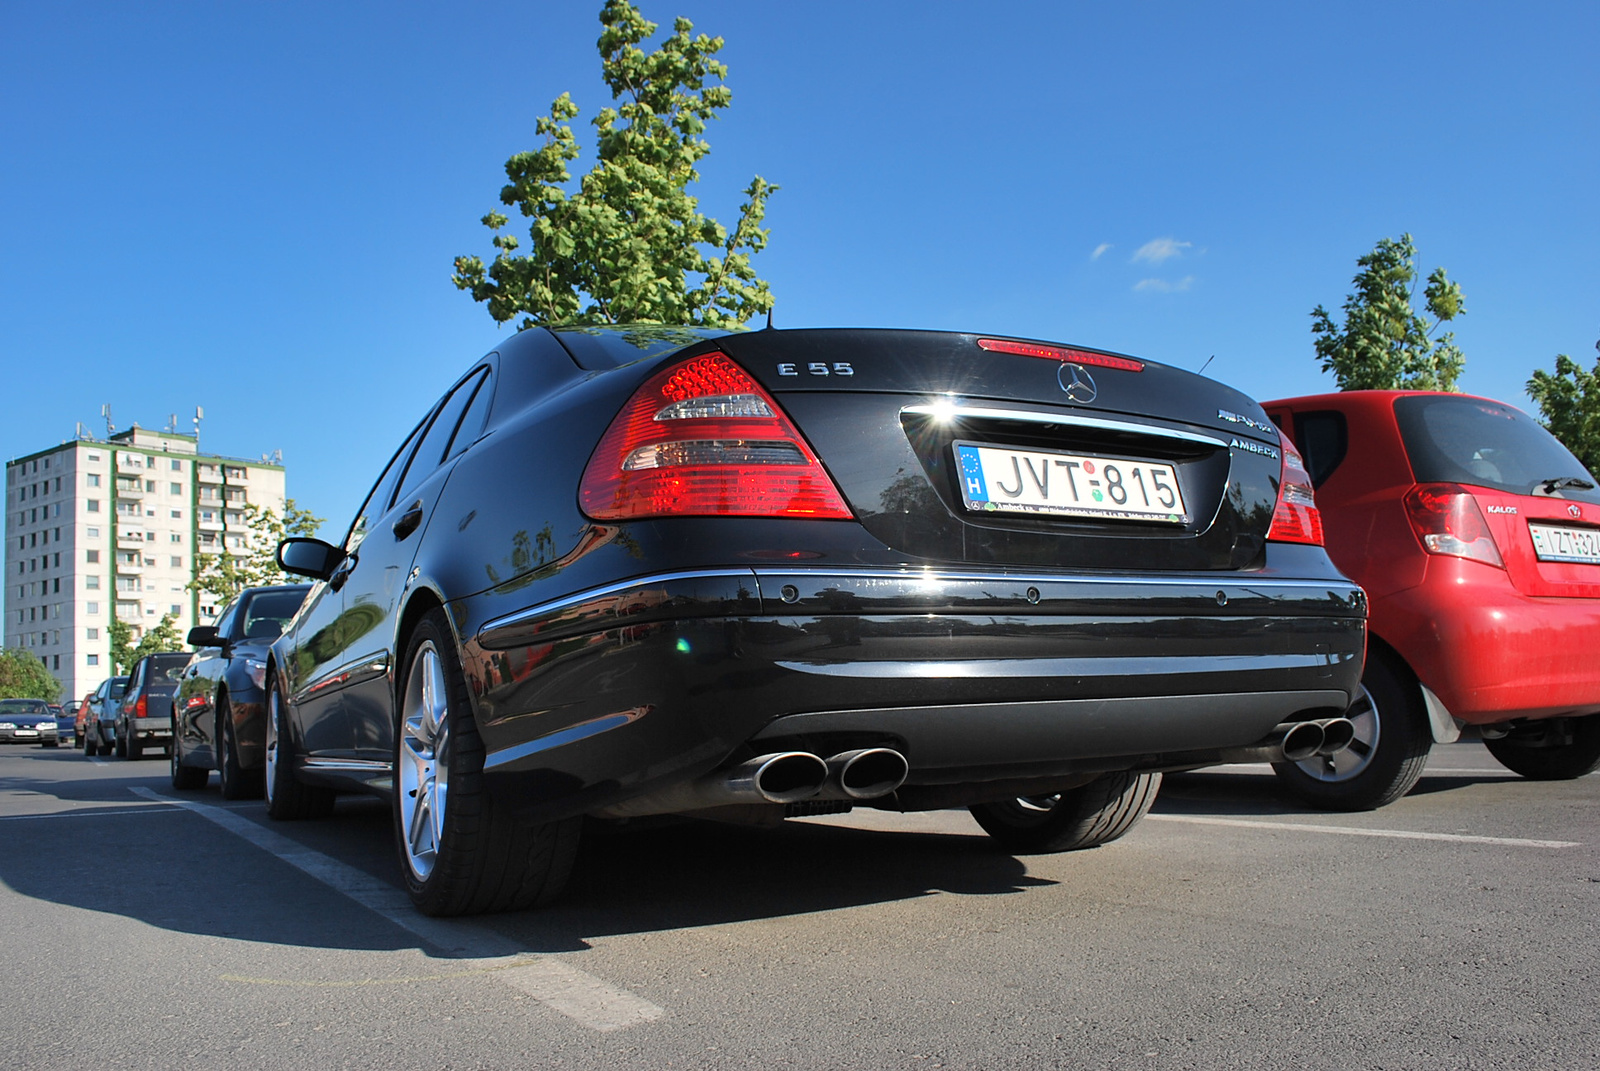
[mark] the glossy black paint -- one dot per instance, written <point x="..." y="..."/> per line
<point x="153" y="679"/>
<point x="221" y="675"/>
<point x="608" y="659"/>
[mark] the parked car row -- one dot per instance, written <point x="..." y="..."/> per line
<point x="624" y="572"/>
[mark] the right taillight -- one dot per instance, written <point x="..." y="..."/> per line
<point x="702" y="438"/>
<point x="1296" y="518"/>
<point x="1447" y="520"/>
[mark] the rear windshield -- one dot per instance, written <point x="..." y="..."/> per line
<point x="598" y="349"/>
<point x="1486" y="444"/>
<point x="24" y="706"/>
<point x="166" y="668"/>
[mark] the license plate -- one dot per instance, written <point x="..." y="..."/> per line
<point x="1005" y="480"/>
<point x="27" y="732"/>
<point x="1556" y="544"/>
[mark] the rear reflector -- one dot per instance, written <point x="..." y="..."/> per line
<point x="702" y="438"/>
<point x="1448" y="521"/>
<point x="1060" y="353"/>
<point x="1296" y="518"/>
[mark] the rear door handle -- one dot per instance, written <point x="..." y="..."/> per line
<point x="408" y="521"/>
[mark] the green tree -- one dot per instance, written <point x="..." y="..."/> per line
<point x="121" y="646"/>
<point x="23" y="676"/>
<point x="164" y="637"/>
<point x="225" y="575"/>
<point x="1384" y="344"/>
<point x="630" y="245"/>
<point x="1569" y="403"/>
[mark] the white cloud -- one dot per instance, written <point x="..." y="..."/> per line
<point x="1163" y="286"/>
<point x="1161" y="249"/>
<point x="1100" y="250"/>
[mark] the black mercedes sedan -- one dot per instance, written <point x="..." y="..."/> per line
<point x="619" y="572"/>
<point x="219" y="715"/>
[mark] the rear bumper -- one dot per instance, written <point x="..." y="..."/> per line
<point x="1489" y="653"/>
<point x="975" y="677"/>
<point x="142" y="729"/>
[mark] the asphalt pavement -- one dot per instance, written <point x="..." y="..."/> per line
<point x="1232" y="928"/>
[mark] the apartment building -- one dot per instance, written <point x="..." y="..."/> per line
<point x="103" y="528"/>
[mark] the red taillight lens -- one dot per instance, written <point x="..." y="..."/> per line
<point x="1447" y="520"/>
<point x="1297" y="519"/>
<point x="702" y="438"/>
<point x="141" y="708"/>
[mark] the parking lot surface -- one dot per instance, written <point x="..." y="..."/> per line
<point x="1233" y="928"/>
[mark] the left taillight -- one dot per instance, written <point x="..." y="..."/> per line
<point x="702" y="438"/>
<point x="141" y="708"/>
<point x="1448" y="520"/>
<point x="1296" y="518"/>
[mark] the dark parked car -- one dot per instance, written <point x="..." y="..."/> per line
<point x="27" y="721"/>
<point x="636" y="571"/>
<point x="1477" y="536"/>
<point x="64" y="719"/>
<point x="100" y="721"/>
<point x="144" y="716"/>
<point x="219" y="720"/>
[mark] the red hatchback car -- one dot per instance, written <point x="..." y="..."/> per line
<point x="1477" y="537"/>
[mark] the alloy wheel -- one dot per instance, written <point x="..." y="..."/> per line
<point x="424" y="766"/>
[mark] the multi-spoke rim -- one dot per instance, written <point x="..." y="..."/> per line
<point x="424" y="760"/>
<point x="1353" y="760"/>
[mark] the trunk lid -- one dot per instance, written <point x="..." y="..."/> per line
<point x="952" y="449"/>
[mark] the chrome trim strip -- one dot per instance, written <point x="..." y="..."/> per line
<point x="349" y="765"/>
<point x="364" y="668"/>
<point x="546" y="608"/>
<point x="1222" y="580"/>
<point x="1078" y="419"/>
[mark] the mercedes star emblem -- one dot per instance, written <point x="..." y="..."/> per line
<point x="1078" y="383"/>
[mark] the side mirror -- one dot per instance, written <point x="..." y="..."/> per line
<point x="304" y="556"/>
<point x="204" y="636"/>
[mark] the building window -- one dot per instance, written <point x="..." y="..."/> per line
<point x="94" y="556"/>
<point x="93" y="634"/>
<point x="177" y="537"/>
<point x="94" y="660"/>
<point x="57" y="661"/>
<point x="176" y="610"/>
<point x="94" y="457"/>
<point x="91" y="608"/>
<point x="177" y="514"/>
<point x="92" y="505"/>
<point x="175" y="488"/>
<point x="92" y="533"/>
<point x="177" y="466"/>
<point x="91" y="582"/>
<point x="177" y="561"/>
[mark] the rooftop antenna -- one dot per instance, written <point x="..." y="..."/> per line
<point x="83" y="432"/>
<point x="769" y="322"/>
<point x="172" y="423"/>
<point x="199" y="415"/>
<point x="105" y="411"/>
<point x="1207" y="364"/>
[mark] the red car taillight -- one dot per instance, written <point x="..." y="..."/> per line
<point x="141" y="708"/>
<point x="701" y="438"/>
<point x="1296" y="519"/>
<point x="1447" y="520"/>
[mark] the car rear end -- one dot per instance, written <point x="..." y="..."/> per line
<point x="1014" y="564"/>
<point x="149" y="717"/>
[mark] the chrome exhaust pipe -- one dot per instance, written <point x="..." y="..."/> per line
<point x="781" y="777"/>
<point x="1337" y="734"/>
<point x="864" y="774"/>
<point x="1304" y="741"/>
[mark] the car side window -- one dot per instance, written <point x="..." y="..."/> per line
<point x="472" y="420"/>
<point x="1323" y="438"/>
<point x="430" y="452"/>
<point x="378" y="500"/>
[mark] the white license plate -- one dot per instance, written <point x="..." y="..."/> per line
<point x="1556" y="544"/>
<point x="1002" y="479"/>
<point x="27" y="732"/>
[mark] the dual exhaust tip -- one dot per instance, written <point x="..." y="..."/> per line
<point x="1308" y="739"/>
<point x="792" y="776"/>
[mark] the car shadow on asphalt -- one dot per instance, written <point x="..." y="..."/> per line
<point x="1222" y="792"/>
<point x="172" y="869"/>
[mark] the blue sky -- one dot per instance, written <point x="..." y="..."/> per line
<point x="253" y="207"/>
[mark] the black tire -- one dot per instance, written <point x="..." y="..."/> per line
<point x="185" y="778"/>
<point x="1556" y="750"/>
<point x="235" y="782"/>
<point x="91" y="746"/>
<point x="468" y="855"/>
<point x="1082" y="817"/>
<point x="120" y="745"/>
<point x="1386" y="758"/>
<point x="288" y="800"/>
<point x="132" y="747"/>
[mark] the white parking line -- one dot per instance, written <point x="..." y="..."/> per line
<point x="554" y="983"/>
<point x="1351" y="831"/>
